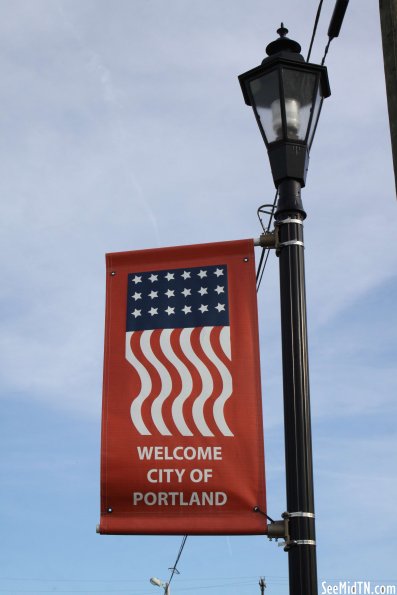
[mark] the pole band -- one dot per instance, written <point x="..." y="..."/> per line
<point x="303" y="542"/>
<point x="289" y="220"/>
<point x="309" y="515"/>
<point x="292" y="243"/>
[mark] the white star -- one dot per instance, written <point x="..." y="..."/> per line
<point x="186" y="275"/>
<point x="153" y="277"/>
<point x="220" y="307"/>
<point x="169" y="276"/>
<point x="202" y="290"/>
<point x="203" y="308"/>
<point x="219" y="289"/>
<point x="137" y="279"/>
<point x="170" y="310"/>
<point x="153" y="294"/>
<point x="202" y="274"/>
<point x="186" y="292"/>
<point x="218" y="272"/>
<point x="170" y="293"/>
<point x="137" y="296"/>
<point x="136" y="313"/>
<point x="187" y="309"/>
<point x="153" y="311"/>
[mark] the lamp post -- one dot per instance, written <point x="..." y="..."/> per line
<point x="159" y="583"/>
<point x="286" y="94"/>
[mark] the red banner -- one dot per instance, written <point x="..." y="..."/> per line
<point x="182" y="440"/>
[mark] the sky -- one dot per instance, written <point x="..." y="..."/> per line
<point x="123" y="127"/>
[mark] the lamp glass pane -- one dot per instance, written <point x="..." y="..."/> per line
<point x="316" y="113"/>
<point x="299" y="88"/>
<point x="265" y="91"/>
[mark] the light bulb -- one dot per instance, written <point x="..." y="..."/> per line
<point x="292" y="107"/>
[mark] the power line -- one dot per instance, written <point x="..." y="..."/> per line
<point x="174" y="568"/>
<point x="213" y="586"/>
<point x="335" y="24"/>
<point x="124" y="580"/>
<point x="264" y="256"/>
<point x="314" y="29"/>
<point x="326" y="50"/>
<point x="232" y="581"/>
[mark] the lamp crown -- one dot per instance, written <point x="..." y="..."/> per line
<point x="283" y="43"/>
<point x="282" y="31"/>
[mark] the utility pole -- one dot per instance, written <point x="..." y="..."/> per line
<point x="262" y="585"/>
<point x="388" y="21"/>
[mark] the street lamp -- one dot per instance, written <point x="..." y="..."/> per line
<point x="159" y="583"/>
<point x="286" y="94"/>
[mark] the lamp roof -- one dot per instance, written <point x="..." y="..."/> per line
<point x="283" y="44"/>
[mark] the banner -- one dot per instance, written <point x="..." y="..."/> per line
<point x="182" y="440"/>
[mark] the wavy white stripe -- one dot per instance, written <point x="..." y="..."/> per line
<point x="227" y="385"/>
<point x="206" y="379"/>
<point x="225" y="341"/>
<point x="186" y="378"/>
<point x="146" y="386"/>
<point x="166" y="384"/>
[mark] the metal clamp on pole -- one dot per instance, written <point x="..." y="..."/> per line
<point x="279" y="529"/>
<point x="289" y="543"/>
<point x="295" y="242"/>
<point x="271" y="239"/>
<point x="268" y="239"/>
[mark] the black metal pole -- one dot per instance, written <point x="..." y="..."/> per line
<point x="388" y="21"/>
<point x="298" y="443"/>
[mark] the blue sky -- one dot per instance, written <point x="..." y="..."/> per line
<point x="122" y="126"/>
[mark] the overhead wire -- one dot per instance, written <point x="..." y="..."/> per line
<point x="335" y="24"/>
<point x="128" y="590"/>
<point x="265" y="251"/>
<point x="214" y="584"/>
<point x="314" y="29"/>
<point x="326" y="50"/>
<point x="174" y="568"/>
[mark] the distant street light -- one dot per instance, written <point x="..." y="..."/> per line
<point x="159" y="583"/>
<point x="262" y="585"/>
<point x="286" y="94"/>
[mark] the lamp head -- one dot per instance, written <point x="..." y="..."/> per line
<point x="286" y="94"/>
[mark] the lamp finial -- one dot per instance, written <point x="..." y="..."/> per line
<point x="282" y="31"/>
<point x="283" y="43"/>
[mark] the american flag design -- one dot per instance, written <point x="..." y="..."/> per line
<point x="178" y="326"/>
